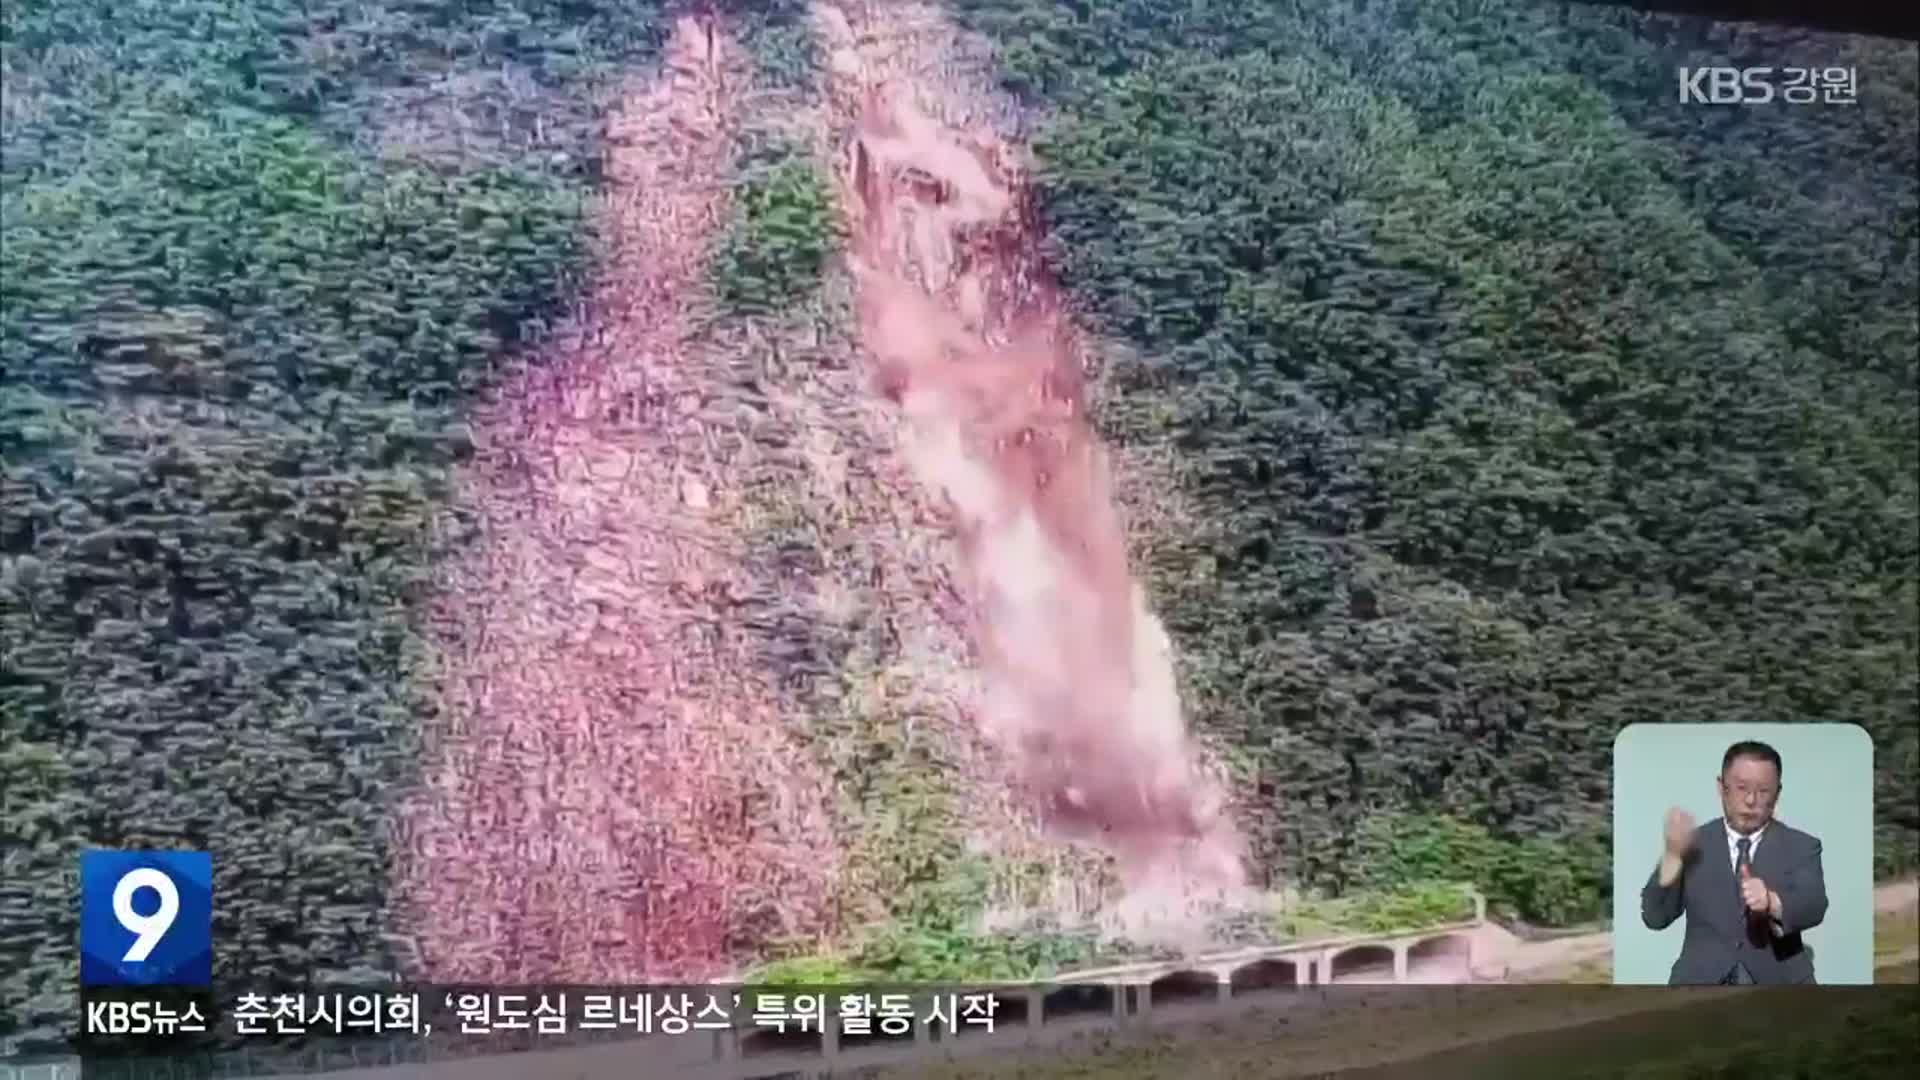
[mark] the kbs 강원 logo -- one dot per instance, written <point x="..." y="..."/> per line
<point x="146" y="918"/>
<point x="1759" y="85"/>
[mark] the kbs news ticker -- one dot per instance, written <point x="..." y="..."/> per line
<point x="893" y="1015"/>
<point x="146" y="922"/>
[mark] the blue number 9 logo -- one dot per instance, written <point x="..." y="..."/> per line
<point x="171" y="945"/>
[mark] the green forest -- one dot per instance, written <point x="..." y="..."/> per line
<point x="1515" y="401"/>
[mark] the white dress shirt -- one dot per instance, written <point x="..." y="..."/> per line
<point x="1733" y="846"/>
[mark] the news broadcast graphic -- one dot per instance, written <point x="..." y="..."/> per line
<point x="264" y="1030"/>
<point x="1743" y="854"/>
<point x="673" y="1033"/>
<point x="146" y="918"/>
<point x="552" y="1011"/>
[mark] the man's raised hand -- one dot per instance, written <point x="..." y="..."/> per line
<point x="1680" y="833"/>
<point x="1679" y="841"/>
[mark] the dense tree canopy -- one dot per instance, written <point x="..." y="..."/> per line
<point x="257" y="257"/>
<point x="1523" y="402"/>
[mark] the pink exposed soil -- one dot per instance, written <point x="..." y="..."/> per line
<point x="968" y="335"/>
<point x="624" y="781"/>
<point x="611" y="795"/>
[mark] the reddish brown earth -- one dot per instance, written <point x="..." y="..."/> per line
<point x="969" y="336"/>
<point x="622" y="785"/>
<point x="612" y="795"/>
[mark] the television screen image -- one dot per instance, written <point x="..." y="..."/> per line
<point x="1158" y="510"/>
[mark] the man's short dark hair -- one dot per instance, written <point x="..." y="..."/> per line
<point x="1749" y="748"/>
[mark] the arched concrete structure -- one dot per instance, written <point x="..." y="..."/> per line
<point x="1290" y="973"/>
<point x="1184" y="988"/>
<point x="1361" y="958"/>
<point x="1080" y="1002"/>
<point x="1015" y="1011"/>
<point x="1273" y="976"/>
<point x="1372" y="962"/>
<point x="1445" y="958"/>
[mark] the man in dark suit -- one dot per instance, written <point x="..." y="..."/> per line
<point x="1748" y="884"/>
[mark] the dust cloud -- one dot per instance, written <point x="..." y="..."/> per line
<point x="969" y="337"/>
